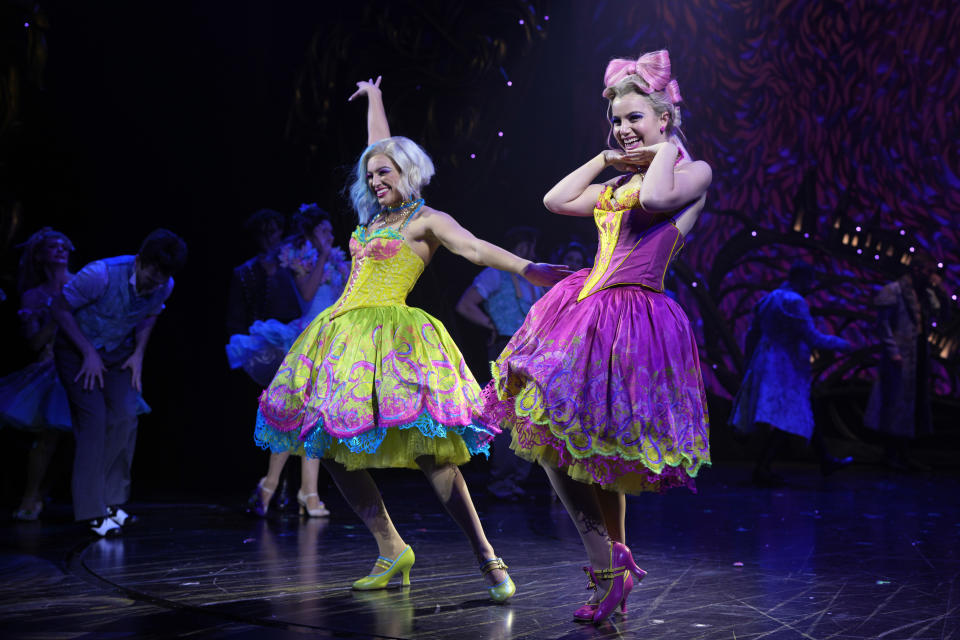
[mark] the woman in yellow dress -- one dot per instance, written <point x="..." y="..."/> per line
<point x="374" y="383"/>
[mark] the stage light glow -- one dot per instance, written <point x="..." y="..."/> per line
<point x="521" y="20"/>
<point x="509" y="83"/>
<point x="500" y="134"/>
<point x="939" y="265"/>
<point x="753" y="233"/>
<point x="473" y="155"/>
<point x="858" y="228"/>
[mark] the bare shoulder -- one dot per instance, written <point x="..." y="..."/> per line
<point x="697" y="169"/>
<point x="430" y="218"/>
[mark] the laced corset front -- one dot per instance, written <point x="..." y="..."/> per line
<point x="635" y="246"/>
<point x="383" y="271"/>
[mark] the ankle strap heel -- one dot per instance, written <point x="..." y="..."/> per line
<point x="504" y="590"/>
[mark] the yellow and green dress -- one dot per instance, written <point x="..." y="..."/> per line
<point x="372" y="382"/>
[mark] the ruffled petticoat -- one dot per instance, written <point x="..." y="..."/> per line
<point x="608" y="389"/>
<point x="374" y="387"/>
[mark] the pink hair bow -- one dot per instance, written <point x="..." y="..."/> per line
<point x="653" y="67"/>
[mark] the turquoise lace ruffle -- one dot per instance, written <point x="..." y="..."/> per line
<point x="475" y="437"/>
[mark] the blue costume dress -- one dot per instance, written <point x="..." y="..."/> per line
<point x="776" y="386"/>
<point x="268" y="341"/>
<point x="33" y="398"/>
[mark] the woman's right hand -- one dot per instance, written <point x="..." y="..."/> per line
<point x="618" y="160"/>
<point x="367" y="87"/>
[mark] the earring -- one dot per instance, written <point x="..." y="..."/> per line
<point x="662" y="129"/>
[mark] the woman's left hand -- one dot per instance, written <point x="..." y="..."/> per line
<point x="542" y="274"/>
<point x="642" y="156"/>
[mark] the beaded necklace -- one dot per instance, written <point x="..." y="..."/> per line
<point x="389" y="216"/>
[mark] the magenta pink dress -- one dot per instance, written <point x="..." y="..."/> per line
<point x="603" y="378"/>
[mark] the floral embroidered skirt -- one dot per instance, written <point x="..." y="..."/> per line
<point x="608" y="389"/>
<point x="374" y="387"/>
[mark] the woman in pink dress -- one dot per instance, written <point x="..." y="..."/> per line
<point x="601" y="385"/>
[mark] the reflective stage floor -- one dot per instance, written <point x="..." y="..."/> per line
<point x="864" y="554"/>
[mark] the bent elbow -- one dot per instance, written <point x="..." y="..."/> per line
<point x="550" y="204"/>
<point x="655" y="204"/>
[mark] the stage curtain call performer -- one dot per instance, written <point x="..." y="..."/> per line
<point x="373" y="383"/>
<point x="601" y="385"/>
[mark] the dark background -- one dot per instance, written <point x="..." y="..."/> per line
<point x="122" y="117"/>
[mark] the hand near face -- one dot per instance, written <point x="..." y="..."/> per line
<point x="542" y="274"/>
<point x="633" y="159"/>
<point x="322" y="238"/>
<point x="366" y="87"/>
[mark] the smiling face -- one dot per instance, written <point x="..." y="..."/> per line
<point x="383" y="179"/>
<point x="635" y="123"/>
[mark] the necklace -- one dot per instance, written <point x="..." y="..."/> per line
<point x="391" y="215"/>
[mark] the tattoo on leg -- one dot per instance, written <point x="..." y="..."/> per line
<point x="593" y="525"/>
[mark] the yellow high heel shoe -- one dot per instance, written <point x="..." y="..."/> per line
<point x="504" y="590"/>
<point x="401" y="564"/>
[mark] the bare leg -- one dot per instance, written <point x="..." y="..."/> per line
<point x="580" y="501"/>
<point x="274" y="469"/>
<point x="309" y="478"/>
<point x="613" y="505"/>
<point x="451" y="488"/>
<point x="37" y="462"/>
<point x="361" y="492"/>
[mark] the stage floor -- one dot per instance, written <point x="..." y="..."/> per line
<point x="864" y="554"/>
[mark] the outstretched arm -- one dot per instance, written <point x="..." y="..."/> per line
<point x="377" y="126"/>
<point x="480" y="252"/>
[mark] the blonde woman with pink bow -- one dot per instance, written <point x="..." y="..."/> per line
<point x="601" y="385"/>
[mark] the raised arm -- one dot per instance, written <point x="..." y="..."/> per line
<point x="480" y="252"/>
<point x="576" y="194"/>
<point x="377" y="126"/>
<point x="667" y="189"/>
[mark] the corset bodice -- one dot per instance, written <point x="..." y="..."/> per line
<point x="635" y="246"/>
<point x="382" y="272"/>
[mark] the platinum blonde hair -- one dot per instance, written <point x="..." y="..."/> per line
<point x="412" y="162"/>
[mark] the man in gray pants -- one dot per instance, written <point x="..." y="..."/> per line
<point x="106" y="313"/>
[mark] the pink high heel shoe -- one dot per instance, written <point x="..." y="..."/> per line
<point x="587" y="611"/>
<point x="622" y="565"/>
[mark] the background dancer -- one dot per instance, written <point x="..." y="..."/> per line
<point x="499" y="301"/>
<point x="776" y="387"/>
<point x="319" y="270"/>
<point x="106" y="314"/>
